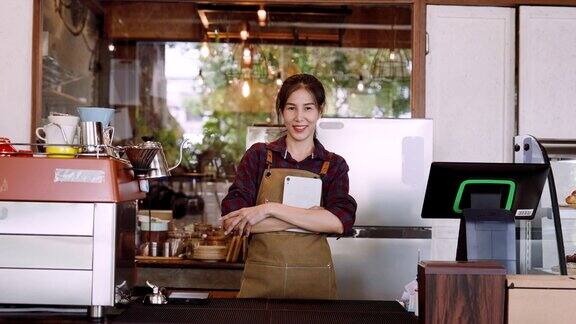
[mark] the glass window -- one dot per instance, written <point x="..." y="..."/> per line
<point x="210" y="90"/>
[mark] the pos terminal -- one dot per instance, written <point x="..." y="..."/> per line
<point x="487" y="198"/>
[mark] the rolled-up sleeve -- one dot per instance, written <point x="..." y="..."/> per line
<point x="243" y="192"/>
<point x="337" y="199"/>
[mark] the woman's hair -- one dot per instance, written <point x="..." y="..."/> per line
<point x="301" y="81"/>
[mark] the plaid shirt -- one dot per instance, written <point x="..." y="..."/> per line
<point x="244" y="190"/>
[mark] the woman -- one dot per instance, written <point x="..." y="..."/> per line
<point x="289" y="256"/>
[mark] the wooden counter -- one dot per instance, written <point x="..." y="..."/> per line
<point x="461" y="292"/>
<point x="238" y="311"/>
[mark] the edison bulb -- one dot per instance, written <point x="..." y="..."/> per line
<point x="246" y="56"/>
<point x="204" y="50"/>
<point x="244" y="34"/>
<point x="245" y="89"/>
<point x="261" y="14"/>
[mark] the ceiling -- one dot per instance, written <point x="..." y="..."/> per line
<point x="373" y="26"/>
<point x="302" y="24"/>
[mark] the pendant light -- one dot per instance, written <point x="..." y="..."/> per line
<point x="393" y="51"/>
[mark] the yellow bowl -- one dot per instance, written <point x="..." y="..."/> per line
<point x="62" y="152"/>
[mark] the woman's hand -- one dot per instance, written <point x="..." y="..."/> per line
<point x="228" y="226"/>
<point x="243" y="219"/>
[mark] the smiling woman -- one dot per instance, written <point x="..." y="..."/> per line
<point x="281" y="263"/>
<point x="301" y="102"/>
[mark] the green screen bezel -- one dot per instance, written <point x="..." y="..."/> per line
<point x="464" y="183"/>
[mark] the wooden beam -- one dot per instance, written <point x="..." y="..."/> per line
<point x="418" y="93"/>
<point x="265" y="2"/>
<point x="502" y="3"/>
<point x="152" y="21"/>
<point x="36" y="109"/>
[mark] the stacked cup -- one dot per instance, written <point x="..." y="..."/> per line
<point x="61" y="129"/>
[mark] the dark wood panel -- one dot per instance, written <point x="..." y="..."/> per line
<point x="394" y="22"/>
<point x="36" y="109"/>
<point x="152" y="21"/>
<point x="264" y="2"/>
<point x="505" y="3"/>
<point x="456" y="292"/>
<point x="95" y="6"/>
<point x="348" y="2"/>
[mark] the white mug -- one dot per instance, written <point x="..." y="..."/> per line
<point x="57" y="134"/>
<point x="64" y="120"/>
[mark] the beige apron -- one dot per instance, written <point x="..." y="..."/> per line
<point x="287" y="264"/>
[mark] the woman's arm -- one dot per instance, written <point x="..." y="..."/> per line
<point x="337" y="217"/>
<point x="277" y="217"/>
<point x="317" y="220"/>
<point x="270" y="224"/>
<point x="243" y="191"/>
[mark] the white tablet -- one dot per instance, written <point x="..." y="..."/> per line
<point x="302" y="192"/>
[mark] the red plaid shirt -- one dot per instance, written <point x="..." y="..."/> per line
<point x="244" y="190"/>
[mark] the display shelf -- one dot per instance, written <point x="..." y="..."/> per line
<point x="171" y="262"/>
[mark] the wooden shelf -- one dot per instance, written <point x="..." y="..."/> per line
<point x="162" y="262"/>
<point x="54" y="98"/>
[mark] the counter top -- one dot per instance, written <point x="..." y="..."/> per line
<point x="239" y="311"/>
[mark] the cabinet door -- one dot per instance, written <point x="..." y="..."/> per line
<point x="470" y="82"/>
<point x="46" y="287"/>
<point x="547" y="74"/>
<point x="469" y="93"/>
<point x="39" y="218"/>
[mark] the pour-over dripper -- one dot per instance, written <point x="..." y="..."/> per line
<point x="141" y="158"/>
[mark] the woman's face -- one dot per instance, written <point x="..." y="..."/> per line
<point x="300" y="115"/>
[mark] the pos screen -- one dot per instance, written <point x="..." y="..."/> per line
<point x="455" y="186"/>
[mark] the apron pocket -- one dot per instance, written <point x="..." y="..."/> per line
<point x="310" y="282"/>
<point x="261" y="280"/>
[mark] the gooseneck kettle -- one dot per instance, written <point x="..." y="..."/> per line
<point x="159" y="165"/>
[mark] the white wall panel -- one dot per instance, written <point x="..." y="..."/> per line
<point x="16" y="69"/>
<point x="470" y="82"/>
<point x="547" y="72"/>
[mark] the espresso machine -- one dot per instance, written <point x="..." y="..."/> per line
<point x="67" y="230"/>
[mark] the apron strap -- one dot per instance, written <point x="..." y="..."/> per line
<point x="323" y="170"/>
<point x="268" y="159"/>
<point x="325" y="166"/>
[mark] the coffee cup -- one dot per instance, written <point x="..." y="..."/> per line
<point x="57" y="134"/>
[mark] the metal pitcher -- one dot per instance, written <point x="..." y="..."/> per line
<point x="159" y="165"/>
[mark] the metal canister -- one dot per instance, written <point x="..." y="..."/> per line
<point x="166" y="249"/>
<point x="154" y="250"/>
